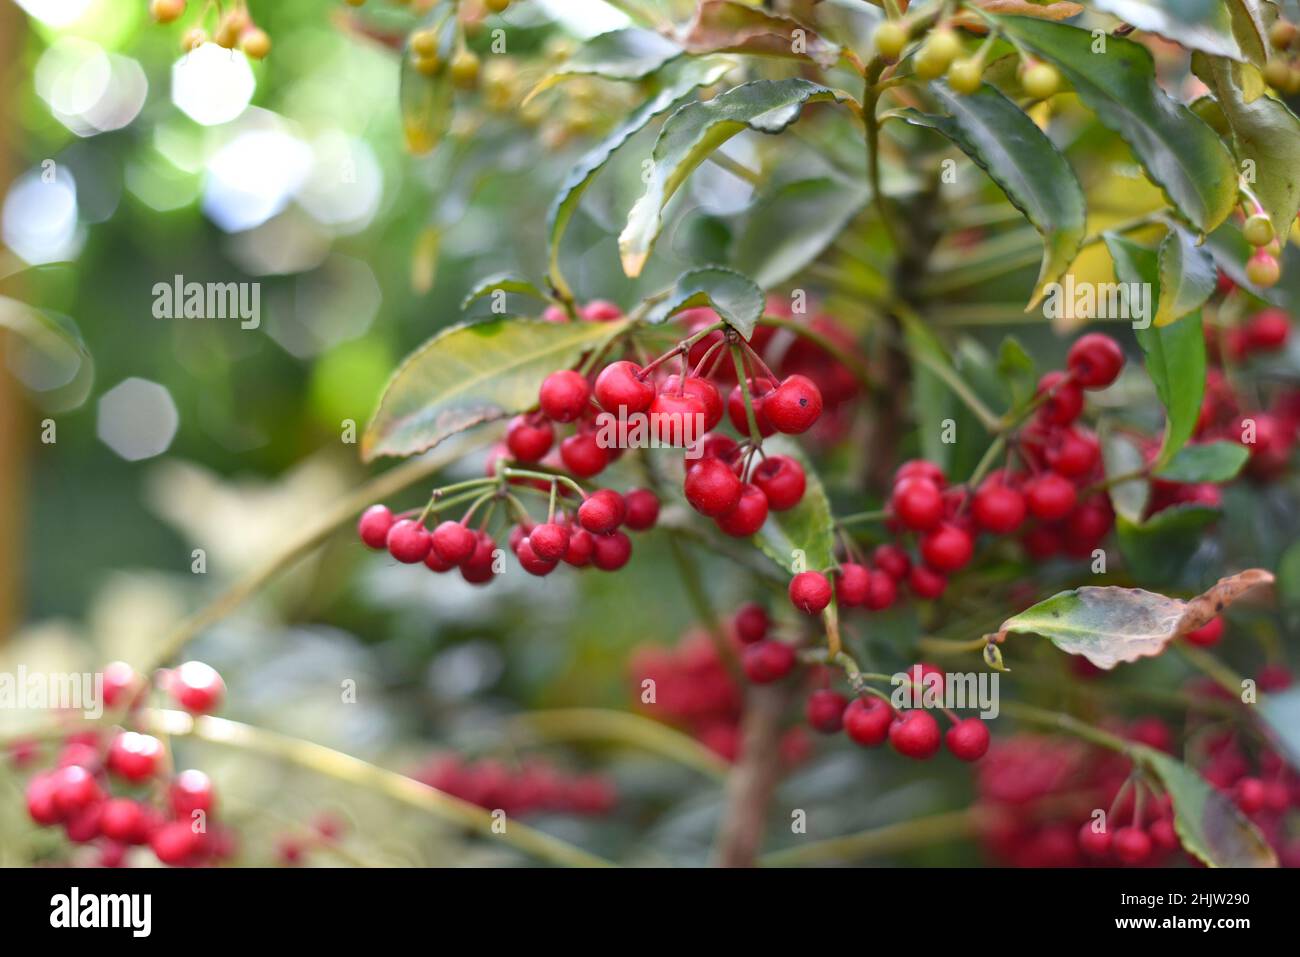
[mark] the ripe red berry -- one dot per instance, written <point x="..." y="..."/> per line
<point x="581" y="546"/>
<point x="600" y="310"/>
<point x="1207" y="635"/>
<point x="867" y="721"/>
<point x="621" y="386"/>
<point x="998" y="508"/>
<point x="920" y="468"/>
<point x="478" y="568"/>
<point x="175" y="843"/>
<point x="123" y="819"/>
<point x="191" y="791"/>
<point x="1050" y="496"/>
<point x="436" y="563"/>
<point x="759" y="389"/>
<point x="767" y="661"/>
<point x="947" y="548"/>
<point x="825" y="710"/>
<point x="810" y="592"/>
<point x="1094" y="360"/>
<point x="915" y="734"/>
<point x="453" y="542"/>
<point x="705" y="391"/>
<point x="374" y="524"/>
<point x="678" y="419"/>
<point x="851" y="584"/>
<point x="892" y="560"/>
<point x="583" y="455"/>
<point x="1268" y="331"/>
<point x="1073" y="452"/>
<point x="1131" y="845"/>
<point x="793" y="406"/>
<point x="712" y="487"/>
<point x="1163" y="834"/>
<point x="563" y="395"/>
<point x="610" y="552"/>
<point x="642" y="509"/>
<point x="926" y="582"/>
<point x="1094" y="844"/>
<point x="409" y="541"/>
<point x="1065" y="399"/>
<point x="119" y="678"/>
<point x="968" y="739"/>
<point x="1250" y="794"/>
<point x="529" y="439"/>
<point x="917" y="503"/>
<point x="197" y="687"/>
<point x="751" y="623"/>
<point x="41" y="806"/>
<point x="881" y="591"/>
<point x="135" y="757"/>
<point x="602" y="511"/>
<point x="530" y="561"/>
<point x="782" y="480"/>
<point x="748" y="514"/>
<point x="75" y="789"/>
<point x="549" y="541"/>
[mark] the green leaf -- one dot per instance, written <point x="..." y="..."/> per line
<point x="695" y="131"/>
<point x="504" y="281"/>
<point x="693" y="74"/>
<point x="1207" y="822"/>
<point x="732" y="295"/>
<point x="628" y="54"/>
<point x="1108" y="624"/>
<point x="473" y="373"/>
<point x="998" y="136"/>
<point x="803" y="534"/>
<point x="727" y="26"/>
<point x="1188" y="276"/>
<point x="53" y="334"/>
<point x="1206" y="462"/>
<point x="1179" y="152"/>
<point x="1288" y="578"/>
<point x="1264" y="132"/>
<point x="1196" y="24"/>
<point x="1281" y="714"/>
<point x="1156" y="551"/>
<point x="788" y="227"/>
<point x="1016" y="369"/>
<point x="1121" y="456"/>
<point x="1175" y="354"/>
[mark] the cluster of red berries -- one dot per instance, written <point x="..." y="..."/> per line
<point x="77" y="793"/>
<point x="534" y="787"/>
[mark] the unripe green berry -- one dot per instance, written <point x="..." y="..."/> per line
<point x="966" y="76"/>
<point x="1258" y="230"/>
<point x="1040" y="80"/>
<point x="943" y="46"/>
<point x="889" y="39"/>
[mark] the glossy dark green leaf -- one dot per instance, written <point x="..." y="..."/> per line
<point x="1157" y="550"/>
<point x="695" y="131"/>
<point x="789" y="226"/>
<point x="732" y="295"/>
<point x="1016" y="369"/>
<point x="1206" y="462"/>
<point x="1196" y="24"/>
<point x="1179" y="152"/>
<point x="1188" y="276"/>
<point x="801" y="538"/>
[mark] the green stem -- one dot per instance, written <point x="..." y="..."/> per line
<point x="878" y="841"/>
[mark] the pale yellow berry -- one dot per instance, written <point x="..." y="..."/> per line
<point x="1258" y="230"/>
<point x="1040" y="80"/>
<point x="943" y="45"/>
<point x="165" y="11"/>
<point x="255" y="44"/>
<point x="497" y="6"/>
<point x="1277" y="73"/>
<point x="428" y="65"/>
<point x="464" y="69"/>
<point x="966" y="76"/>
<point x="1263" y="270"/>
<point x="889" y="39"/>
<point x="193" y="39"/>
<point x="424" y="43"/>
<point x="1281" y="34"/>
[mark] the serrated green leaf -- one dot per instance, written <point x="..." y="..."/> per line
<point x="1206" y="462"/>
<point x="1175" y="354"/>
<point x="732" y="295"/>
<point x="1208" y="823"/>
<point x="695" y="131"/>
<point x="1004" y="142"/>
<point x="789" y="226"/>
<point x="503" y="281"/>
<point x="628" y="54"/>
<point x="694" y="74"/>
<point x="727" y="26"/>
<point x="805" y="532"/>
<point x="474" y="373"/>
<point x="1188" y="276"/>
<point x="1196" y="24"/>
<point x="1179" y="152"/>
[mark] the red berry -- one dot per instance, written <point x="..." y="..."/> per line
<point x="851" y="584"/>
<point x="529" y="440"/>
<point x="767" y="661"/>
<point x="751" y="623"/>
<point x="759" y="389"/>
<point x="920" y="468"/>
<point x="610" y="552"/>
<point x="926" y="582"/>
<point x="453" y="542"/>
<point x="583" y="455"/>
<point x="1050" y="496"/>
<point x="867" y="721"/>
<point x="123" y="819"/>
<point x="825" y="710"/>
<point x="1250" y="795"/>
<point x="197" y="687"/>
<point x="530" y="561"/>
<point x="881" y="591"/>
<point x="119" y="678"/>
<point x="1094" y="360"/>
<point x="175" y="843"/>
<point x="705" y="391"/>
<point x="563" y="395"/>
<point x="782" y="480"/>
<point x="947" y="548"/>
<point x="1268" y="331"/>
<point x="191" y="791"/>
<point x="642" y="509"/>
<point x="41" y="806"/>
<point x="1163" y="834"/>
<point x="1207" y="635"/>
<point x="620" y="386"/>
<point x="1065" y="400"/>
<point x="1073" y="452"/>
<point x="678" y="419"/>
<point x="712" y="487"/>
<point x="917" y="503"/>
<point x="1131" y="845"/>
<point x="600" y="310"/>
<point x="602" y="511"/>
<point x="409" y="541"/>
<point x="915" y="734"/>
<point x="374" y="524"/>
<point x="1094" y="844"/>
<point x="793" y="406"/>
<point x="892" y="560"/>
<point x="479" y="568"/>
<point x="719" y="446"/>
<point x="581" y="546"/>
<point x="135" y="757"/>
<point x="75" y="789"/>
<point x="436" y="563"/>
<point x="549" y="541"/>
<point x="748" y="514"/>
<point x="83" y="825"/>
<point x="968" y="739"/>
<point x="997" y="508"/>
<point x="810" y="592"/>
